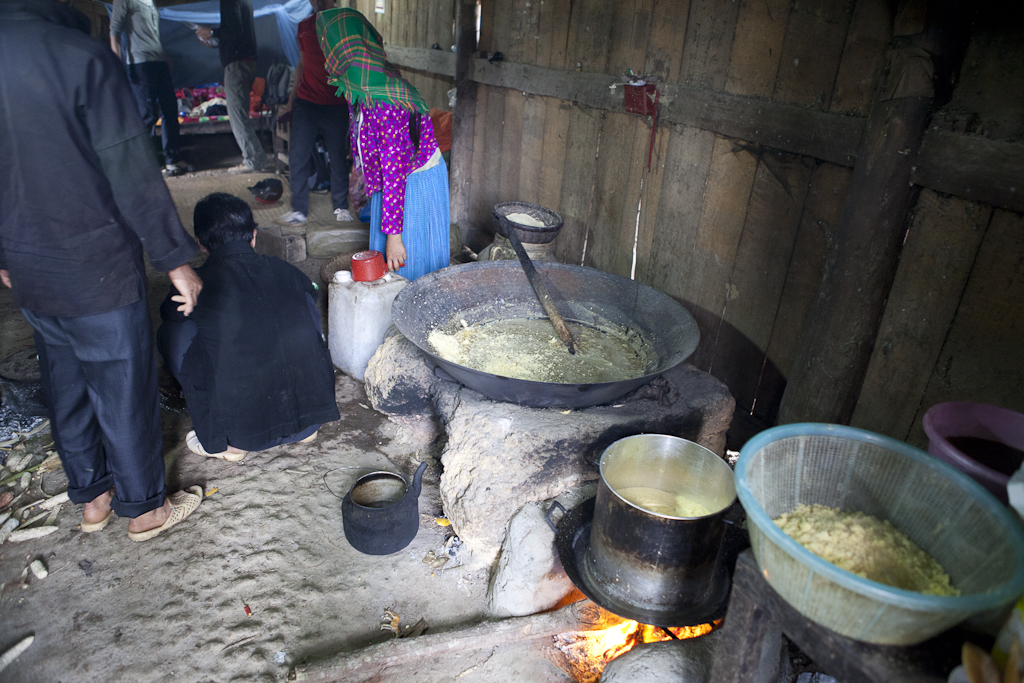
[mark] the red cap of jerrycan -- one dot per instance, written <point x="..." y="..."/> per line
<point x="368" y="266"/>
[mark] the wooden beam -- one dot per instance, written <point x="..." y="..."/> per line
<point x="967" y="166"/>
<point x="843" y="324"/>
<point x="785" y="127"/>
<point x="409" y="652"/>
<point x="464" y="116"/>
<point x="972" y="167"/>
<point x="440" y="62"/>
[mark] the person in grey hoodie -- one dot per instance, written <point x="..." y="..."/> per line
<point x="149" y="73"/>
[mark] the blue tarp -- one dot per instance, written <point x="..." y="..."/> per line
<point x="287" y="15"/>
<point x="193" y="63"/>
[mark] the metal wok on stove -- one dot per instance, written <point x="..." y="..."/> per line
<point x="496" y="290"/>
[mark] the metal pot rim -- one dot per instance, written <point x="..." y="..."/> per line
<point x="381" y="474"/>
<point x="719" y="511"/>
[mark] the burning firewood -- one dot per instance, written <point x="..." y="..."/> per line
<point x="578" y="616"/>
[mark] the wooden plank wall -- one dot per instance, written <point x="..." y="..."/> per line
<point x="736" y="231"/>
<point x="954" y="323"/>
<point x="419" y="24"/>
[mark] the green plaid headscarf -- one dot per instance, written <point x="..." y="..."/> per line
<point x="356" y="62"/>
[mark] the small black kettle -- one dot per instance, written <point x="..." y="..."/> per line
<point x="381" y="513"/>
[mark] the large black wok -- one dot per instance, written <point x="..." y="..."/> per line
<point x="494" y="290"/>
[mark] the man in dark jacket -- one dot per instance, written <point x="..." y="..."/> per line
<point x="80" y="197"/>
<point x="251" y="359"/>
<point x="236" y="40"/>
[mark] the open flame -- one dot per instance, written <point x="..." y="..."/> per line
<point x="587" y="653"/>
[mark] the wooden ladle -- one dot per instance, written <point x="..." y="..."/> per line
<point x="540" y="289"/>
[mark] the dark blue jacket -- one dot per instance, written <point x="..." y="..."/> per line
<point x="258" y="369"/>
<point x="236" y="34"/>
<point x="81" y="193"/>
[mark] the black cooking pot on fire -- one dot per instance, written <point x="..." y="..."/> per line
<point x="381" y="513"/>
<point x="646" y="560"/>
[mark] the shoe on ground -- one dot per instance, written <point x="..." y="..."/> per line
<point x="175" y="169"/>
<point x="291" y="218"/>
<point x="343" y="216"/>
<point x="311" y="438"/>
<point x="242" y="168"/>
<point x="183" y="504"/>
<point x="192" y="442"/>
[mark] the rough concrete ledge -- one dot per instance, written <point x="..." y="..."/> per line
<point x="500" y="456"/>
<point x="271" y="242"/>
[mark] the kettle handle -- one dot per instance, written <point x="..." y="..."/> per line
<point x="550" y="512"/>
<point x="418" y="479"/>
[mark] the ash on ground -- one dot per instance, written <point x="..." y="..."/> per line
<point x="14" y="426"/>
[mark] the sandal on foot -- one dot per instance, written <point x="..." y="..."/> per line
<point x="192" y="441"/>
<point x="90" y="527"/>
<point x="183" y="504"/>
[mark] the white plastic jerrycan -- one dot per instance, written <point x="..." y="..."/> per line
<point x="359" y="314"/>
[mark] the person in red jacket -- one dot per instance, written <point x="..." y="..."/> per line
<point x="315" y="110"/>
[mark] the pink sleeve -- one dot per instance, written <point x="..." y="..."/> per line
<point x="395" y="140"/>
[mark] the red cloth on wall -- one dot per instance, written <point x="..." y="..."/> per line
<point x="256" y="95"/>
<point x="442" y="121"/>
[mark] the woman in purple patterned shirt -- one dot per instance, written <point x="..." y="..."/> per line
<point x="393" y="140"/>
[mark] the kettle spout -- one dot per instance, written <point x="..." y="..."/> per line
<point x="418" y="479"/>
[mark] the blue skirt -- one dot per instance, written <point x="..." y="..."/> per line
<point x="426" y="226"/>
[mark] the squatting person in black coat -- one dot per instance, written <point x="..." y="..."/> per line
<point x="251" y="359"/>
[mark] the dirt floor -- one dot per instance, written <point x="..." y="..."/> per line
<point x="267" y="539"/>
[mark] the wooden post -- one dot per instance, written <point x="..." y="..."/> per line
<point x="463" y="119"/>
<point x="839" y="336"/>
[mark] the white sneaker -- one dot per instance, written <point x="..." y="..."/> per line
<point x="241" y="168"/>
<point x="291" y="218"/>
<point x="343" y="216"/>
<point x="193" y="444"/>
<point x="171" y="170"/>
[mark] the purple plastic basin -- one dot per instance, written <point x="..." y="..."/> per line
<point x="963" y="418"/>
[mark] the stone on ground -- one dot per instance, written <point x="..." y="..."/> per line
<point x="528" y="576"/>
<point x="670" y="661"/>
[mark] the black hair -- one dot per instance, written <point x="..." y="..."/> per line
<point x="220" y="218"/>
<point x="414" y="130"/>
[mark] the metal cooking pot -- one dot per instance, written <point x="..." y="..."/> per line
<point x="495" y="290"/>
<point x="381" y="513"/>
<point x="655" y="562"/>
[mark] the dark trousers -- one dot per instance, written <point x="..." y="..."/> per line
<point x="173" y="339"/>
<point x="99" y="374"/>
<point x="154" y="96"/>
<point x="308" y="119"/>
